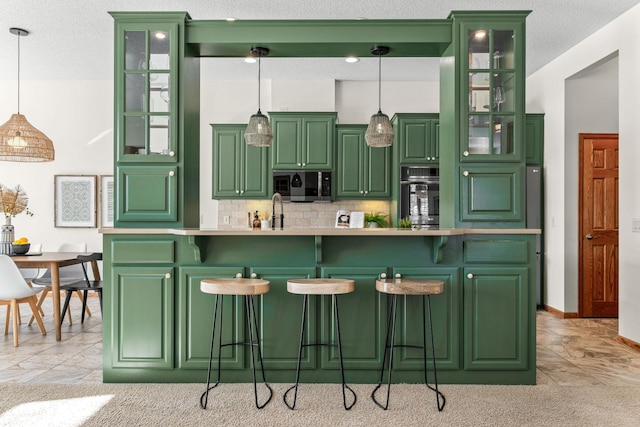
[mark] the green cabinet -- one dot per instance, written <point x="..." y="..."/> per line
<point x="195" y="320"/>
<point x="496" y="302"/>
<point x="302" y="140"/>
<point x="156" y="85"/>
<point x="417" y="138"/>
<point x="142" y="296"/>
<point x="362" y="171"/>
<point x="491" y="193"/>
<point x="239" y="171"/>
<point x="534" y="139"/>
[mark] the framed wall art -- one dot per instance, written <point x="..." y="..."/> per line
<point x="75" y="200"/>
<point x="106" y="201"/>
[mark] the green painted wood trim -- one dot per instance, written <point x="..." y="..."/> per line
<point x="324" y="38"/>
<point x="194" y="243"/>
<point x="439" y="243"/>
<point x="318" y="242"/>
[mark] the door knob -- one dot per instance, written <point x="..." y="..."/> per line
<point x="589" y="237"/>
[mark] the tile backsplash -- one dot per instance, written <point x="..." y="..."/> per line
<point x="296" y="215"/>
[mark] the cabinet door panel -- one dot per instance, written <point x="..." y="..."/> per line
<point x="491" y="193"/>
<point x="350" y="173"/>
<point x="318" y="147"/>
<point x="147" y="193"/>
<point x="446" y="321"/>
<point x="286" y="149"/>
<point x="495" y="330"/>
<point x="227" y="157"/>
<point x="254" y="172"/>
<point x="378" y="172"/>
<point x="415" y="147"/>
<point x="280" y="315"/>
<point x="144" y="297"/>
<point x="195" y="320"/>
<point x="362" y="321"/>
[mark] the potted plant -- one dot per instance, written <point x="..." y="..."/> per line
<point x="404" y="223"/>
<point x="376" y="219"/>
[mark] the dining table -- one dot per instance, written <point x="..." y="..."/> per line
<point x="54" y="261"/>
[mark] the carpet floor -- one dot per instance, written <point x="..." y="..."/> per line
<point x="68" y="405"/>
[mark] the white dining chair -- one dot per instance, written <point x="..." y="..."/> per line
<point x="67" y="275"/>
<point x="14" y="290"/>
<point x="31" y="273"/>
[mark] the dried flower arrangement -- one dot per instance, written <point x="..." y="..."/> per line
<point x="14" y="202"/>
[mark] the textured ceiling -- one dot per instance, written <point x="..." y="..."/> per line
<point x="73" y="39"/>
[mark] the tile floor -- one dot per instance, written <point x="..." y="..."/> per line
<point x="570" y="351"/>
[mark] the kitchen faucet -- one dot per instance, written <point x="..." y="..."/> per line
<point x="278" y="197"/>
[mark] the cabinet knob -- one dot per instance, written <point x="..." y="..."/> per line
<point x="172" y="153"/>
<point x="171" y="173"/>
<point x="366" y="192"/>
<point x="299" y="164"/>
<point x="469" y="276"/>
<point x="383" y="275"/>
<point x="398" y="275"/>
<point x="241" y="191"/>
<point x="167" y="276"/>
<point x="465" y="153"/>
<point x="430" y="158"/>
<point x="361" y="192"/>
<point x="465" y="173"/>
<point x="304" y="164"/>
<point x="237" y="191"/>
<point x="254" y="275"/>
<point x="238" y="275"/>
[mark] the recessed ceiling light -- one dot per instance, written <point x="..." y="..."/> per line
<point x="351" y="59"/>
<point x="230" y="19"/>
<point x="250" y="60"/>
<point x="480" y="34"/>
<point x="160" y="35"/>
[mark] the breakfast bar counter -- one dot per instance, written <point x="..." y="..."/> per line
<point x="157" y="322"/>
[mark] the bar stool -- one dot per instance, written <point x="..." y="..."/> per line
<point x="248" y="288"/>
<point x="406" y="286"/>
<point x="331" y="287"/>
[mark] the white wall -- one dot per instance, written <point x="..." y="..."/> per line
<point x="546" y="93"/>
<point x="78" y="117"/>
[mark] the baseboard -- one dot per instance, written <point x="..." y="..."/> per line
<point x="629" y="343"/>
<point x="559" y="313"/>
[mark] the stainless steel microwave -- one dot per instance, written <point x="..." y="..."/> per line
<point x="303" y="186"/>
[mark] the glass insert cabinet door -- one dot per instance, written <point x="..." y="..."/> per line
<point x="492" y="77"/>
<point x="148" y="82"/>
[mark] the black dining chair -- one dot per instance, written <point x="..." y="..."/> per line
<point x="85" y="285"/>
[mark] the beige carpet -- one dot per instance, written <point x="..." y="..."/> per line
<point x="54" y="405"/>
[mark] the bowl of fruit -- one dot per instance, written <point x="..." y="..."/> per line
<point x="20" y="246"/>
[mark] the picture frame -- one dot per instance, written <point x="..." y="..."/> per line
<point x="75" y="200"/>
<point x="106" y="201"/>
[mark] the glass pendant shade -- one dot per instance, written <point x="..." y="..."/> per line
<point x="379" y="132"/>
<point x="19" y="140"/>
<point x="258" y="132"/>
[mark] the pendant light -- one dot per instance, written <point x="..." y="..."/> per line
<point x="258" y="133"/>
<point x="19" y="140"/>
<point x="379" y="132"/>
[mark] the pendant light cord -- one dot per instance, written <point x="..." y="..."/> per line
<point x="379" y="82"/>
<point x="18" y="73"/>
<point x="259" y="55"/>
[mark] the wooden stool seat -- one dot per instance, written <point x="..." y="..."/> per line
<point x="237" y="286"/>
<point x="410" y="286"/>
<point x="320" y="286"/>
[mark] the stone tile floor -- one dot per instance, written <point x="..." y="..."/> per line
<point x="569" y="351"/>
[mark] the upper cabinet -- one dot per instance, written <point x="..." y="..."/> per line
<point x="534" y="139"/>
<point x="239" y="171"/>
<point x="302" y="140"/>
<point x="157" y="138"/>
<point x="417" y="138"/>
<point x="493" y="75"/>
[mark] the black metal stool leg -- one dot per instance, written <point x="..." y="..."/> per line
<point x="252" y="323"/>
<point x="389" y="343"/>
<point x="439" y="394"/>
<point x="305" y="301"/>
<point x="344" y="385"/>
<point x="205" y="396"/>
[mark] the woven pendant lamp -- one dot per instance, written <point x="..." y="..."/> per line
<point x="379" y="132"/>
<point x="19" y="140"/>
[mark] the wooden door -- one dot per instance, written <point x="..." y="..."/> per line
<point x="598" y="226"/>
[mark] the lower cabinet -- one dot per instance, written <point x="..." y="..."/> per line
<point x="147" y="193"/>
<point x="496" y="305"/>
<point x="195" y="320"/>
<point x="142" y="317"/>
